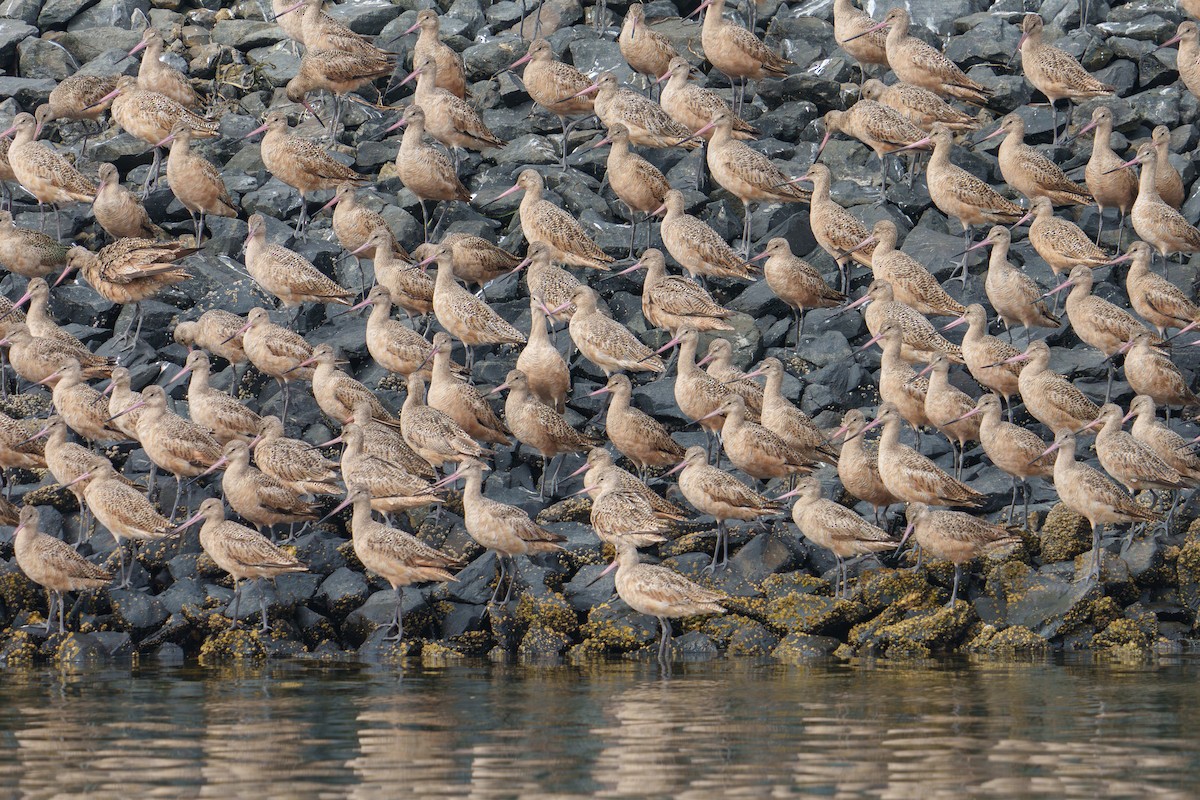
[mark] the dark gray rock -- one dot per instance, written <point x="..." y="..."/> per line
<point x="89" y="43"/>
<point x="137" y="611"/>
<point x="56" y="13"/>
<point x="29" y="92"/>
<point x="244" y="34"/>
<point x="12" y="33"/>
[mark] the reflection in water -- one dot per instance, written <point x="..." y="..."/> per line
<point x="613" y="730"/>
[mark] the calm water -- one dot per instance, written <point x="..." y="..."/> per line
<point x="615" y="730"/>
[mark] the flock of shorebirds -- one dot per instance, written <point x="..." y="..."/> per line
<point x="390" y="461"/>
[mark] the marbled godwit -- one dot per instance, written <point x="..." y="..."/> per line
<point x="755" y="450"/>
<point x="549" y="81"/>
<point x="388" y="444"/>
<point x="451" y="75"/>
<point x="119" y="211"/>
<point x="424" y="169"/>
<point x="1029" y="172"/>
<point x="42" y="172"/>
<point x="462" y="314"/>
<point x="155" y="75"/>
<point x="408" y="287"/>
<point x="955" y="537"/>
<point x="1091" y="494"/>
<point x="920" y="106"/>
<point x="549" y="377"/>
<point x="255" y="496"/>
<point x="899" y="384"/>
<point x="505" y="530"/>
<point x="696" y="246"/>
<point x="1166" y="444"/>
<point x="878" y="126"/>
<point x="945" y="407"/>
<point x="912" y="284"/>
<point x="224" y="416"/>
<point x="336" y="392"/>
<point x="276" y="351"/>
<point x="648" y="52"/>
<point x="1054" y="72"/>
<point x="912" y="477"/>
<point x="600" y="463"/>
<point x="858" y="464"/>
<point x="299" y="162"/>
<point x="671" y="302"/>
<point x="1154" y="220"/>
<point x="53" y="565"/>
<point x="354" y="223"/>
<point x="1110" y="185"/>
<point x="293" y="462"/>
<point x="693" y="106"/>
<point x="1095" y="320"/>
<point x="1151" y="372"/>
<point x="122" y="398"/>
<point x="916" y="62"/>
<point x="1015" y="450"/>
<point x="737" y="52"/>
<point x="83" y="408"/>
<point x="1012" y="293"/>
<point x="605" y="342"/>
<point x="697" y="393"/>
<point x="796" y="282"/>
<point x="959" y="194"/>
<point x="648" y="124"/>
<point x="637" y="435"/>
<point x="195" y="181"/>
<point x="921" y="339"/>
<point x="29" y="253"/>
<point x="243" y="553"/>
<point x="322" y="32"/>
<point x="449" y="119"/>
<point x="850" y="31"/>
<point x="130" y="271"/>
<point x="395" y="347"/>
<point x="66" y="462"/>
<point x="77" y="97"/>
<point x="291" y="21"/>
<point x="430" y="433"/>
<point x="19" y="449"/>
<point x="1158" y="301"/>
<point x="35" y="358"/>
<point x="217" y="332"/>
<point x="477" y="261"/>
<point x="837" y="529"/>
<point x="620" y="514"/>
<point x="553" y="284"/>
<point x="150" y="116"/>
<point x="1049" y="397"/>
<point x="123" y="512"/>
<point x="539" y="427"/>
<point x="788" y="422"/>
<point x="661" y="593"/>
<point x="1167" y="179"/>
<point x="719" y="359"/>
<point x="392" y="488"/>
<point x="338" y="72"/>
<point x="1187" y="36"/>
<point x="461" y="401"/>
<point x="1060" y="242"/>
<point x="986" y="356"/>
<point x="1130" y="462"/>
<point x="398" y="557"/>
<point x="835" y="229"/>
<point x="543" y="221"/>
<point x="719" y="494"/>
<point x="174" y="444"/>
<point x="635" y="181"/>
<point x="746" y="173"/>
<point x="286" y="274"/>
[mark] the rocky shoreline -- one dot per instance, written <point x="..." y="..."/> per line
<point x="779" y="585"/>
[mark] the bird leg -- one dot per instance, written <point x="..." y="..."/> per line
<point x="1094" y="573"/>
<point x="499" y="579"/>
<point x="262" y="605"/>
<point x="237" y="602"/>
<point x="962" y="267"/>
<point x="1108" y="387"/>
<point x="954" y="591"/>
<point x="747" y="224"/>
<point x="512" y="579"/>
<point x="664" y="642"/>
<point x="720" y="556"/>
